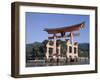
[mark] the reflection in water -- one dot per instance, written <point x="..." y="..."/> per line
<point x="38" y="63"/>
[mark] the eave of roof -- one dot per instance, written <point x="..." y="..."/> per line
<point x="65" y="29"/>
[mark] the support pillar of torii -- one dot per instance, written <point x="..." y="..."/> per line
<point x="54" y="49"/>
<point x="72" y="42"/>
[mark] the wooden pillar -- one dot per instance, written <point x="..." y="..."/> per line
<point x="54" y="45"/>
<point x="59" y="50"/>
<point x="77" y="51"/>
<point x="72" y="42"/>
<point x="67" y="52"/>
<point x="47" y="52"/>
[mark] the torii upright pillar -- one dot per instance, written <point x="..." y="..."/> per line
<point x="72" y="42"/>
<point x="54" y="47"/>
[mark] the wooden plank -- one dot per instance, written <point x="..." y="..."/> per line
<point x="74" y="34"/>
<point x="65" y="29"/>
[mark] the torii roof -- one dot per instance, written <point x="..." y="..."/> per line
<point x="65" y="29"/>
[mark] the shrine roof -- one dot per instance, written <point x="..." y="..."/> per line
<point x="65" y="29"/>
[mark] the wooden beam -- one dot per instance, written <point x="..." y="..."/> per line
<point x="65" y="29"/>
<point x="69" y="35"/>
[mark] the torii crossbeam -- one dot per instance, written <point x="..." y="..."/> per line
<point x="65" y="29"/>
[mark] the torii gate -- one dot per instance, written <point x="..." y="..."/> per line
<point x="70" y="44"/>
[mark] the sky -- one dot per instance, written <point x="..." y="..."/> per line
<point x="36" y="22"/>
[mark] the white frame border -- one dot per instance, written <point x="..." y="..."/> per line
<point x="68" y="68"/>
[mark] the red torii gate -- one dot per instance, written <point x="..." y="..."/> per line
<point x="62" y="31"/>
